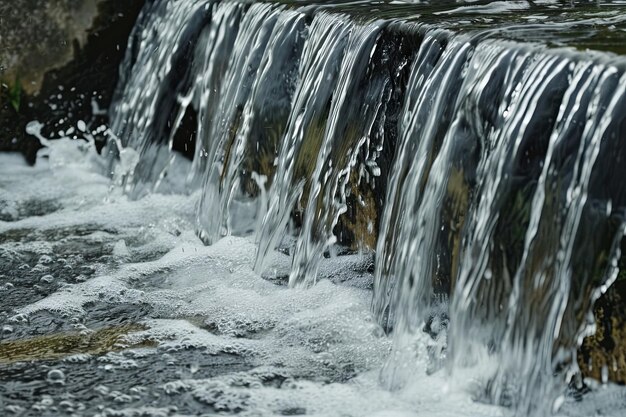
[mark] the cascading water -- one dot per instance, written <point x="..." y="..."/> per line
<point x="317" y="77"/>
<point x="541" y="327"/>
<point x="326" y="199"/>
<point x="160" y="44"/>
<point x="503" y="145"/>
<point x="497" y="228"/>
<point x="267" y="68"/>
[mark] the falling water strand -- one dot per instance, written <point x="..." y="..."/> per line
<point x="318" y="74"/>
<point x="211" y="58"/>
<point x="224" y="142"/>
<point x="327" y="196"/>
<point x="421" y="76"/>
<point x="263" y="122"/>
<point x="148" y="75"/>
<point x="433" y="76"/>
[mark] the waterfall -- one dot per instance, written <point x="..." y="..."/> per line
<point x="160" y="46"/>
<point x="481" y="171"/>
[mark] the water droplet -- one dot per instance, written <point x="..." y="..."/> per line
<point x="488" y="274"/>
<point x="558" y="403"/>
<point x="47" y="401"/>
<point x="194" y="367"/>
<point x="66" y="405"/>
<point x="19" y="318"/>
<point x="33" y="128"/>
<point x="39" y="268"/>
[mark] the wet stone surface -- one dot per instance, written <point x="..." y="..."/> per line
<point x="89" y="373"/>
<point x="59" y="63"/>
<point x="9" y="211"/>
<point x="36" y="263"/>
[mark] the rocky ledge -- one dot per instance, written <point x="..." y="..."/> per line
<point x="59" y="61"/>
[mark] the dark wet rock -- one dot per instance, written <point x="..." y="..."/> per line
<point x="11" y="211"/>
<point x="358" y="227"/>
<point x="36" y="37"/>
<point x="56" y="59"/>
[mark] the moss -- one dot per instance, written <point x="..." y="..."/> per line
<point x="15" y="94"/>
<point x="11" y="93"/>
<point x="358" y="225"/>
<point x="61" y="345"/>
<point x="307" y="156"/>
<point x="233" y="128"/>
<point x="459" y="195"/>
<point x="261" y="152"/>
<point x="607" y="347"/>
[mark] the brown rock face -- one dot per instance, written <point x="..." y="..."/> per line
<point x="603" y="355"/>
<point x="38" y="36"/>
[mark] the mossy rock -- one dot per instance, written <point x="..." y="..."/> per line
<point x="53" y="64"/>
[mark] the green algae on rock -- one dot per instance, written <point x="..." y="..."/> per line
<point x="56" y="346"/>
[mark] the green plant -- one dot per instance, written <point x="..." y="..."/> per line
<point x="15" y="94"/>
